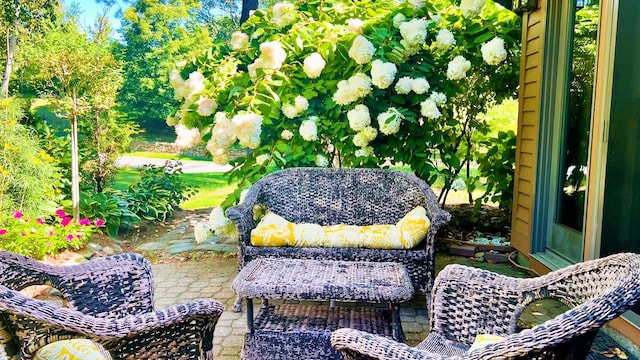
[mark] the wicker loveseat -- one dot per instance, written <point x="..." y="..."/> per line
<point x="109" y="301"/>
<point x="468" y="301"/>
<point x="342" y="196"/>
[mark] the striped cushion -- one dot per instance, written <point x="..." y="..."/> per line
<point x="72" y="349"/>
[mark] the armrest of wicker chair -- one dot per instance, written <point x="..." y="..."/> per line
<point x="356" y="344"/>
<point x="242" y="215"/>
<point x="182" y="331"/>
<point x="116" y="285"/>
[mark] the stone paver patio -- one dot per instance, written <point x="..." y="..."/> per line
<point x="212" y="274"/>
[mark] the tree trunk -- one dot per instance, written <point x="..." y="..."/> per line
<point x="11" y="46"/>
<point x="75" y="161"/>
<point x="247" y="6"/>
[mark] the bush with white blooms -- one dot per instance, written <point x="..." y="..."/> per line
<point x="350" y="84"/>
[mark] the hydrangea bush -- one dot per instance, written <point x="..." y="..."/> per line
<point x="350" y="84"/>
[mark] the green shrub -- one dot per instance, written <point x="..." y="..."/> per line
<point x="29" y="178"/>
<point x="37" y="237"/>
<point x="159" y="191"/>
<point x="109" y="206"/>
<point x="497" y="168"/>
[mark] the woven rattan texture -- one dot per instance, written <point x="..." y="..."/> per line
<point x="324" y="280"/>
<point x="292" y="331"/>
<point x="343" y="196"/>
<point x="110" y="301"/>
<point x="468" y="301"/>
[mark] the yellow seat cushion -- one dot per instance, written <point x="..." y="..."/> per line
<point x="72" y="349"/>
<point x="483" y="340"/>
<point x="274" y="230"/>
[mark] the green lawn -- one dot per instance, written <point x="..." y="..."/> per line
<point x="165" y="156"/>
<point x="212" y="187"/>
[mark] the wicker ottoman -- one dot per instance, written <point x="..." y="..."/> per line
<point x="302" y="331"/>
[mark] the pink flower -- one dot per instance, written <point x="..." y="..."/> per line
<point x="3" y="231"/>
<point x="51" y="233"/>
<point x="79" y="236"/>
<point x="65" y="221"/>
<point x="40" y="221"/>
<point x="85" y="222"/>
<point x="17" y="215"/>
<point x="99" y="222"/>
<point x="60" y="213"/>
<point x="23" y="234"/>
<point x="69" y="237"/>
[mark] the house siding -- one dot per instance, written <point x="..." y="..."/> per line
<point x="528" y="119"/>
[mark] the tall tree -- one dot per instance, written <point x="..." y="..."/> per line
<point x="21" y="16"/>
<point x="81" y="75"/>
<point x="157" y="34"/>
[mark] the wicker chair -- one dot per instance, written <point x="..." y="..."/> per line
<point x="109" y="301"/>
<point x="468" y="301"/>
<point x="342" y="196"/>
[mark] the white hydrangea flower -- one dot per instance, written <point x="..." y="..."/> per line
<point x="301" y="103"/>
<point x="389" y="121"/>
<point x="417" y="3"/>
<point x="436" y="18"/>
<point x="458" y="68"/>
<point x="187" y="137"/>
<point x="359" y="117"/>
<point x="438" y="97"/>
<point x="383" y="73"/>
<point x="195" y="83"/>
<point x="356" y="87"/>
<point x="420" y="86"/>
<point x="248" y="127"/>
<point x="219" y="155"/>
<point x="286" y="135"/>
<point x="172" y="120"/>
<point x="398" y="19"/>
<point x="321" y="161"/>
<point x="177" y="82"/>
<point x="202" y="231"/>
<point x="283" y="14"/>
<point x="217" y="219"/>
<point x="365" y="151"/>
<point x="445" y="39"/>
<point x="414" y="32"/>
<point x="370" y="133"/>
<point x="239" y="40"/>
<point x="360" y="139"/>
<point x="361" y="50"/>
<point x="272" y="54"/>
<point x="262" y="159"/>
<point x="289" y="111"/>
<point x="256" y="64"/>
<point x="471" y="8"/>
<point x="222" y="133"/>
<point x="206" y="106"/>
<point x="355" y="25"/>
<point x="493" y="52"/>
<point x="403" y="86"/>
<point x="429" y="109"/>
<point x="458" y="184"/>
<point x="313" y="65"/>
<point x="309" y="129"/>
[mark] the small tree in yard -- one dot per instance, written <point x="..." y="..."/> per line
<point x="81" y="75"/>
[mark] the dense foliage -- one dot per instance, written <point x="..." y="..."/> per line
<point x="351" y="84"/>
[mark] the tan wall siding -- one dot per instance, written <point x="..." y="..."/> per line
<point x="528" y="119"/>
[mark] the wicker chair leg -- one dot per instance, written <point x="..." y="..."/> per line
<point x="237" y="306"/>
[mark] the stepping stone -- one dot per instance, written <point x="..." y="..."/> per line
<point x="216" y="247"/>
<point x="86" y="252"/>
<point x="212" y="240"/>
<point x="108" y="250"/>
<point x="179" y="248"/>
<point x="180" y="241"/>
<point x="94" y="246"/>
<point x="151" y="246"/>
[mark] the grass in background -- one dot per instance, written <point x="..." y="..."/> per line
<point x="213" y="188"/>
<point x="165" y="156"/>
